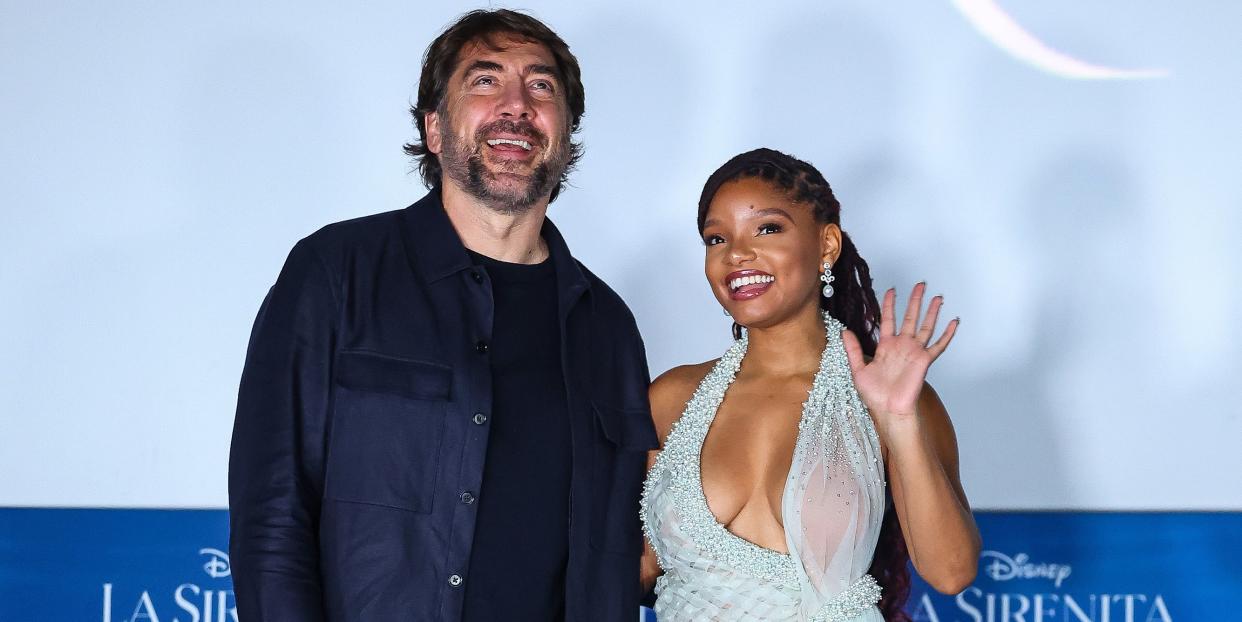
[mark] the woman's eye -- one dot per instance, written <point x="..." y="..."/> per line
<point x="770" y="227"/>
<point x="712" y="240"/>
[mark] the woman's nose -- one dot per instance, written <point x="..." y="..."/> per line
<point x="740" y="252"/>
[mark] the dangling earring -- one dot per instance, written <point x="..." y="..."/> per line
<point x="827" y="278"/>
<point x="726" y="312"/>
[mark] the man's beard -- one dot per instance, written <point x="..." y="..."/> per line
<point x="463" y="163"/>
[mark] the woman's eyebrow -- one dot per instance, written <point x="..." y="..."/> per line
<point x="771" y="211"/>
<point x="767" y="211"/>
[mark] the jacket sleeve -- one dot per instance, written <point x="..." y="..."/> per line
<point x="277" y="454"/>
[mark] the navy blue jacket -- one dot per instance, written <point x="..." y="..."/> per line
<point x="362" y="419"/>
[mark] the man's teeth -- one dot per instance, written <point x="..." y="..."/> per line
<point x="750" y="280"/>
<point x="508" y="141"/>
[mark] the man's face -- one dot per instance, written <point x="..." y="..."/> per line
<point x="502" y="132"/>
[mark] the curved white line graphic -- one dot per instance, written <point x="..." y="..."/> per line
<point x="998" y="27"/>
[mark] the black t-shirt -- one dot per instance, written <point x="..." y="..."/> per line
<point x="517" y="563"/>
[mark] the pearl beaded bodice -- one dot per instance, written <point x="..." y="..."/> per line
<point x="833" y="505"/>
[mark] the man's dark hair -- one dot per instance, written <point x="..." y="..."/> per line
<point x="486" y="27"/>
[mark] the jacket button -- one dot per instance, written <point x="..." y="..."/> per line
<point x="478" y="278"/>
<point x="481" y="347"/>
<point x="455" y="580"/>
<point x="467" y="498"/>
<point x="479" y="418"/>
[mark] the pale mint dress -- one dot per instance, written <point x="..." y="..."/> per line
<point x="833" y="505"/>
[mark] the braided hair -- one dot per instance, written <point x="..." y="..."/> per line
<point x="853" y="303"/>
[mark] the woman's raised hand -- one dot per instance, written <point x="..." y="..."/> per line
<point x="891" y="382"/>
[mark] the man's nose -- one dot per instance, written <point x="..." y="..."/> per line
<point x="515" y="101"/>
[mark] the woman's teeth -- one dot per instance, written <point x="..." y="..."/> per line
<point x="750" y="280"/>
<point x="507" y="141"/>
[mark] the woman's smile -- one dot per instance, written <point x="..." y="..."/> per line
<point x="748" y="284"/>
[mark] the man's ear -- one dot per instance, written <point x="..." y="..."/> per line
<point x="830" y="243"/>
<point x="431" y="121"/>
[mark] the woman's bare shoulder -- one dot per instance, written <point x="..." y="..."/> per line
<point x="670" y="392"/>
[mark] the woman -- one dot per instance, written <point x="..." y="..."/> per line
<point x="783" y="511"/>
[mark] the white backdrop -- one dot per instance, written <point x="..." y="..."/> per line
<point x="161" y="158"/>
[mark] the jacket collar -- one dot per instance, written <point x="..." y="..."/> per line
<point x="439" y="252"/>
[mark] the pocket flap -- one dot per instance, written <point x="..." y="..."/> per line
<point x="370" y="371"/>
<point x="627" y="428"/>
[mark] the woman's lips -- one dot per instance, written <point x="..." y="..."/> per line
<point x="754" y="283"/>
<point x="746" y="292"/>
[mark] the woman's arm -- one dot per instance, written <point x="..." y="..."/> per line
<point x="935" y="517"/>
<point x="668" y="395"/>
<point x="918" y="440"/>
<point x="648" y="568"/>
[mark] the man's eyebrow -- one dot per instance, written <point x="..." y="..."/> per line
<point x="543" y="69"/>
<point x="483" y="65"/>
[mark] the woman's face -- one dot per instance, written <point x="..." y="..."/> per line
<point x="764" y="253"/>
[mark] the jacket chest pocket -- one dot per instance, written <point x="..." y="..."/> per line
<point x="624" y="436"/>
<point x="387" y="426"/>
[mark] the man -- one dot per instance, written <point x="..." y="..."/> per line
<point x="443" y="415"/>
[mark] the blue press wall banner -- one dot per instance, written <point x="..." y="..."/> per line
<point x="78" y="565"/>
<point x="1097" y="567"/>
<point x="115" y="566"/>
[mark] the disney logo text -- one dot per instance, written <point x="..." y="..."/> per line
<point x="217" y="566"/>
<point x="1003" y="568"/>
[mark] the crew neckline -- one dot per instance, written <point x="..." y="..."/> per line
<point x="509" y="271"/>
